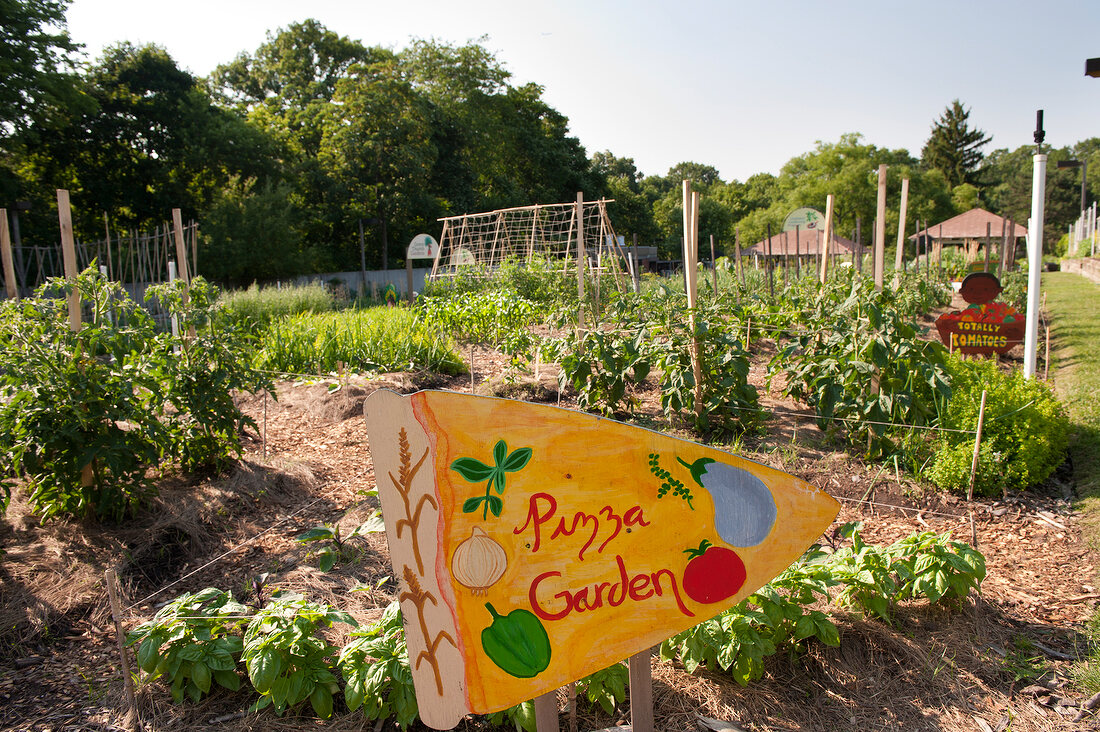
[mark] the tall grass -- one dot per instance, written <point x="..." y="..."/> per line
<point x="257" y="307"/>
<point x="376" y="339"/>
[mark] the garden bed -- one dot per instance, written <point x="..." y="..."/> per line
<point x="1002" y="658"/>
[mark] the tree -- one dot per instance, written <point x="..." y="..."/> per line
<point x="954" y="147"/>
<point x="154" y="141"/>
<point x="36" y="63"/>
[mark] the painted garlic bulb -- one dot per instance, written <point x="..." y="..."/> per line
<point x="478" y="562"/>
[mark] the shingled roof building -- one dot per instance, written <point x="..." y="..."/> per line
<point x="969" y="230"/>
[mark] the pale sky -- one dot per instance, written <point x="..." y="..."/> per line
<point x="742" y="85"/>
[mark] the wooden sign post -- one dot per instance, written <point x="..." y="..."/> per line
<point x="536" y="545"/>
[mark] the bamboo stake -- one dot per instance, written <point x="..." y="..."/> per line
<point x="737" y="248"/>
<point x="797" y="252"/>
<point x="1004" y="248"/>
<point x="880" y="228"/>
<point x="127" y="681"/>
<point x="110" y="259"/>
<point x="691" y="254"/>
<point x="899" y="257"/>
<point x="768" y="264"/>
<point x="988" y="243"/>
<point x="713" y="265"/>
<point x="977" y="446"/>
<point x="5" y="254"/>
<point x="859" y="247"/>
<point x="581" y="258"/>
<point x="826" y="235"/>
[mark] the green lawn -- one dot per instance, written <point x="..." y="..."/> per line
<point x="1074" y="306"/>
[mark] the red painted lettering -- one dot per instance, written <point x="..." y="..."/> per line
<point x="537" y="518"/>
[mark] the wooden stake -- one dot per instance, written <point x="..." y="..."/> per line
<point x="1004" y="248"/>
<point x="768" y="264"/>
<point x="641" y="692"/>
<point x="797" y="252"/>
<point x="127" y="682"/>
<point x="408" y="277"/>
<point x="737" y="248"/>
<point x="988" y="243"/>
<point x="880" y="228"/>
<point x="5" y="254"/>
<point x="899" y="257"/>
<point x="68" y="253"/>
<point x="691" y="256"/>
<point x="977" y="446"/>
<point x="546" y="712"/>
<point x="713" y="265"/>
<point x="826" y="236"/>
<point x="581" y="259"/>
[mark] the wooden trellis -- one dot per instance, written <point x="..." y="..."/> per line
<point x="482" y="242"/>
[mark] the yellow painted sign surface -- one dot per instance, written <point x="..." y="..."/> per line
<point x="535" y="545"/>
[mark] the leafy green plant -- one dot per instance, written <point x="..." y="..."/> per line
<point x="381" y="338"/>
<point x="79" y="411"/>
<point x="861" y="363"/>
<point x="375" y="667"/>
<point x="212" y="364"/>
<point x="1024" y="436"/>
<point x="287" y="660"/>
<point x="606" y="687"/>
<point x="336" y="547"/>
<point x="256" y="307"/>
<point x="1023" y="662"/>
<point x="933" y="566"/>
<point x="601" y="366"/>
<point x="193" y="641"/>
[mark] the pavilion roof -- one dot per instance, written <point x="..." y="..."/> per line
<point x="808" y="242"/>
<point x="970" y="225"/>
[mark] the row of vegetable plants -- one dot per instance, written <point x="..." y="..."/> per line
<point x="199" y="641"/>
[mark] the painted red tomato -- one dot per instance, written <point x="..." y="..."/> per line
<point x="713" y="573"/>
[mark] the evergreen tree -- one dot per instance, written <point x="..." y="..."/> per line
<point x="953" y="147"/>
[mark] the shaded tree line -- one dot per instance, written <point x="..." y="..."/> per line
<point x="282" y="153"/>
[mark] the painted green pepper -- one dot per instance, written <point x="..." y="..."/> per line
<point x="517" y="643"/>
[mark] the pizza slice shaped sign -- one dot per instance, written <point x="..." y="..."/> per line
<point x="536" y="545"/>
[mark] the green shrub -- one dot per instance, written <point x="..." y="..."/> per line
<point x="79" y="410"/>
<point x="1024" y="437"/>
<point x="85" y="414"/>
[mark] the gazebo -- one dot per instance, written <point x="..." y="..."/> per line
<point x="969" y="230"/>
<point x="807" y="244"/>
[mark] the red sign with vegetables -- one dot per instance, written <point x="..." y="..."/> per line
<point x="985" y="327"/>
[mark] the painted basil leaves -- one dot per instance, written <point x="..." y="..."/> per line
<point x="476" y="471"/>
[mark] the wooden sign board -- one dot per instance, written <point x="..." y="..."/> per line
<point x="535" y="545"/>
<point x="984" y="327"/>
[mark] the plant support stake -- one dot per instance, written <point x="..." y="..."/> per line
<point x="128" y="683"/>
<point x="977" y="446"/>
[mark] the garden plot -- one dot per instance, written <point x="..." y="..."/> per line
<point x="1003" y="656"/>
